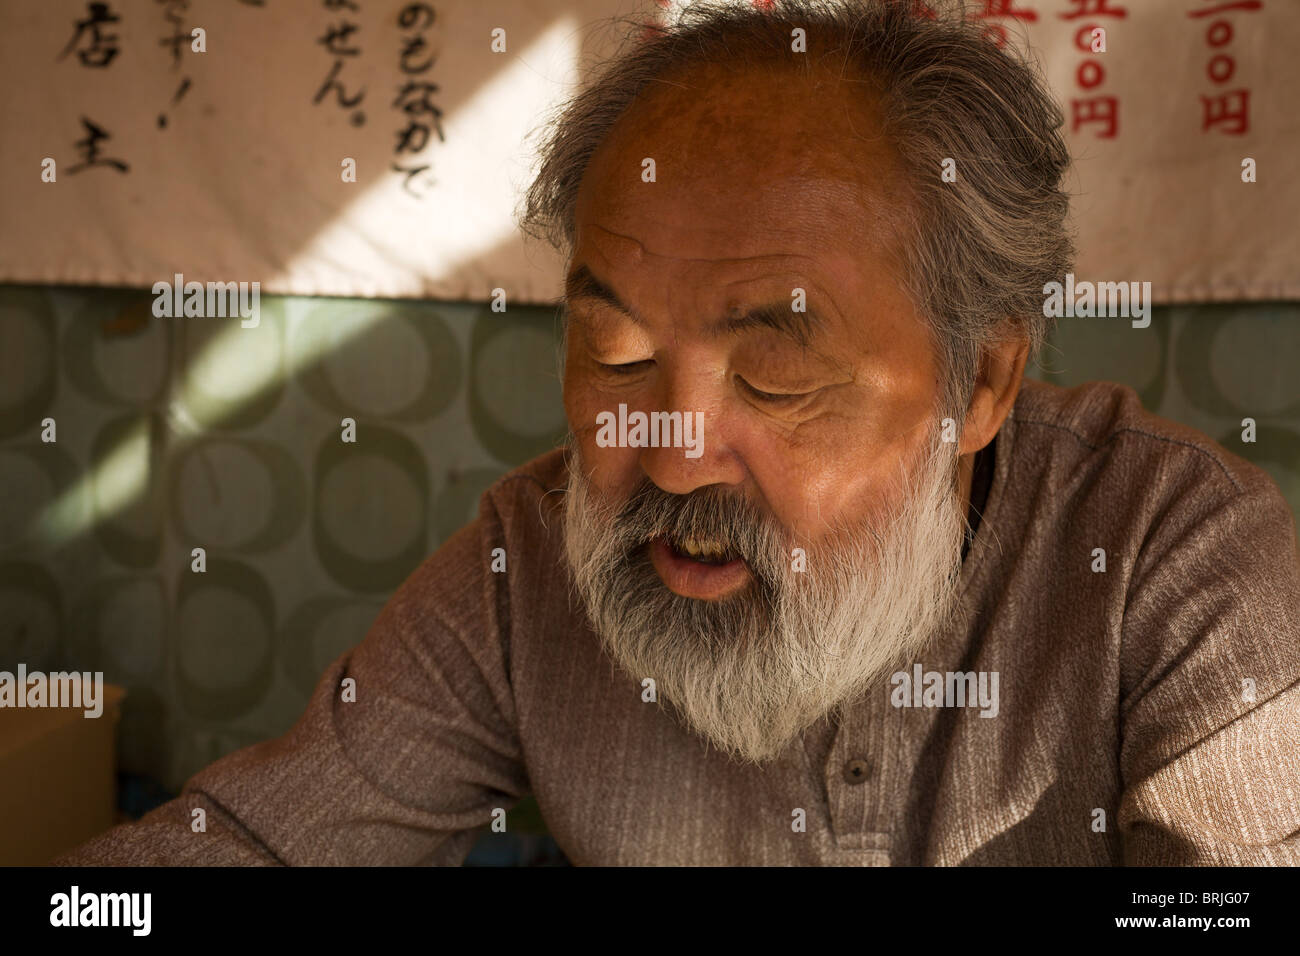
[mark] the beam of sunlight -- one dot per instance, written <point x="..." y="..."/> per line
<point x="113" y="486"/>
<point x="122" y="475"/>
<point x="491" y="126"/>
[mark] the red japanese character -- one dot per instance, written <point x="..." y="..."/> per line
<point x="1003" y="8"/>
<point x="1098" y="109"/>
<point x="1224" y="36"/>
<point x="1235" y="5"/>
<point x="1221" y="68"/>
<point x="1083" y="38"/>
<point x="1090" y="74"/>
<point x="1094" y="8"/>
<point x="1230" y="111"/>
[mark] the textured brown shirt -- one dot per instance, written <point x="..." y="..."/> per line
<point x="1147" y="714"/>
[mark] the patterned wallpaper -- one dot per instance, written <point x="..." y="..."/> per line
<point x="179" y="434"/>
<point x="173" y="435"/>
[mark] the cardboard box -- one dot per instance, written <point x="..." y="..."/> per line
<point x="58" y="777"/>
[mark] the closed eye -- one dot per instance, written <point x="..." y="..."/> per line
<point x="625" y="368"/>
<point x="774" y="398"/>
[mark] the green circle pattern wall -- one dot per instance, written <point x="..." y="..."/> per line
<point x="174" y="434"/>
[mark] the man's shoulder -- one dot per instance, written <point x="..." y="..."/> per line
<point x="519" y="527"/>
<point x="543" y="477"/>
<point x="1090" y="462"/>
<point x="1104" y="424"/>
<point x="1198" y="545"/>
<point x="526" y="504"/>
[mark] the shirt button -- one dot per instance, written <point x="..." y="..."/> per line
<point x="856" y="771"/>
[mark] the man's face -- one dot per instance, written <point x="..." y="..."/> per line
<point x="819" y="428"/>
<point x="750" y="203"/>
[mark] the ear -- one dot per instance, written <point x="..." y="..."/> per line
<point x="1002" y="368"/>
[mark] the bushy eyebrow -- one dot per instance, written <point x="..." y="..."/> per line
<point x="801" y="327"/>
<point x="581" y="284"/>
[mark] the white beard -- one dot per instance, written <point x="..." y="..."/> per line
<point x="752" y="672"/>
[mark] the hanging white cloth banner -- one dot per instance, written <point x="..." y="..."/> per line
<point x="380" y="148"/>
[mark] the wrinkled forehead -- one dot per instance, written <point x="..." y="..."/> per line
<point x="726" y="163"/>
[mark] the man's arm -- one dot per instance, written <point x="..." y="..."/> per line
<point x="1210" y="757"/>
<point x="402" y="775"/>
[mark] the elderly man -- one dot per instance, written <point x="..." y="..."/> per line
<point x="819" y="578"/>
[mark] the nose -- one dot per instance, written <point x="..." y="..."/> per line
<point x="694" y="409"/>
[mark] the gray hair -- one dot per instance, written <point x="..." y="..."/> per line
<point x="978" y="250"/>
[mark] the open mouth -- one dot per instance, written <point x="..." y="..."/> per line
<point x="707" y="570"/>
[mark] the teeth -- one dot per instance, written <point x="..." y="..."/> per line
<point x="695" y="549"/>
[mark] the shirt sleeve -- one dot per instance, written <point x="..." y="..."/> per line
<point x="403" y="775"/>
<point x="1210" y="699"/>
